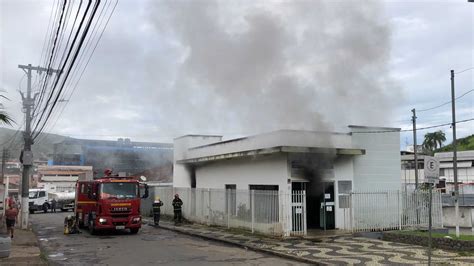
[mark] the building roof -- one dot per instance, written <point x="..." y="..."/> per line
<point x="461" y="155"/>
<point x="116" y="143"/>
<point x="281" y="141"/>
<point x="266" y="151"/>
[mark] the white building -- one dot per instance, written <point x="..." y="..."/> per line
<point x="61" y="178"/>
<point x="326" y="165"/>
<point x="465" y="165"/>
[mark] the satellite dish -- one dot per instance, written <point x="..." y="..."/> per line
<point x="143" y="178"/>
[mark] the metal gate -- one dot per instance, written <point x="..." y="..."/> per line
<point x="298" y="213"/>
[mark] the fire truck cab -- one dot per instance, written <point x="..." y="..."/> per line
<point x="109" y="203"/>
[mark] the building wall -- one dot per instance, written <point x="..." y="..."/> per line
<point x="464" y="174"/>
<point x="268" y="170"/>
<point x="379" y="168"/>
<point x="465" y="215"/>
<point x="181" y="174"/>
<point x="57" y="186"/>
<point x="343" y="171"/>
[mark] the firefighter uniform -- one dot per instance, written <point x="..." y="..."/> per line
<point x="157" y="210"/>
<point x="177" y="204"/>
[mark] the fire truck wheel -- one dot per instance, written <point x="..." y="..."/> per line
<point x="134" y="230"/>
<point x="80" y="223"/>
<point x="45" y="208"/>
<point x="92" y="227"/>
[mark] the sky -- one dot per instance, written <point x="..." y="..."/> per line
<point x="163" y="69"/>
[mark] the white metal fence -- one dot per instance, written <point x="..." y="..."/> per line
<point x="392" y="210"/>
<point x="264" y="211"/>
<point x="277" y="213"/>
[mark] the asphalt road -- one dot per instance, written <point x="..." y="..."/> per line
<point x="150" y="246"/>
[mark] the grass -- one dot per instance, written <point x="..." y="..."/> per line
<point x="437" y="235"/>
<point x="466" y="253"/>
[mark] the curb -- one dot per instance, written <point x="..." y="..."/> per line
<point x="44" y="253"/>
<point x="241" y="245"/>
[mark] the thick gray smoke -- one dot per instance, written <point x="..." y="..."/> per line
<point x="253" y="67"/>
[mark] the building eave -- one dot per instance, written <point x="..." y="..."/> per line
<point x="273" y="150"/>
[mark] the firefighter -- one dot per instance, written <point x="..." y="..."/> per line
<point x="53" y="205"/>
<point x="157" y="210"/>
<point x="108" y="172"/>
<point x="70" y="225"/>
<point x="177" y="204"/>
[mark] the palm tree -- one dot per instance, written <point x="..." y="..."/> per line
<point x="4" y="117"/>
<point x="433" y="141"/>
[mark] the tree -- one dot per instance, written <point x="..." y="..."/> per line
<point x="4" y="117"/>
<point x="433" y="141"/>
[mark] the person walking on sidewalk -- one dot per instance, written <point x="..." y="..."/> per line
<point x="10" y="217"/>
<point x="53" y="205"/>
<point x="157" y="210"/>
<point x="177" y="204"/>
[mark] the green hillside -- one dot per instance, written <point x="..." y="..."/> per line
<point x="42" y="149"/>
<point x="463" y="144"/>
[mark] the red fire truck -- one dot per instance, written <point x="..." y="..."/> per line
<point x="109" y="203"/>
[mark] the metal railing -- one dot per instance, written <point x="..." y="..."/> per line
<point x="393" y="210"/>
<point x="263" y="211"/>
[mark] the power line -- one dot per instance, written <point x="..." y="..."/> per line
<point x="94" y="33"/>
<point x="409" y="130"/>
<point x="464" y="70"/>
<point x="446" y="103"/>
<point x="43" y="90"/>
<point x="61" y="70"/>
<point x="71" y="65"/>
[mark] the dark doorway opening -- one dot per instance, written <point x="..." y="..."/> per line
<point x="320" y="205"/>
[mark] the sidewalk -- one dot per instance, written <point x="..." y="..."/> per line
<point x="24" y="250"/>
<point x="326" y="250"/>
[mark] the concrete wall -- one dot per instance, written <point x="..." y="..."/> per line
<point x="379" y="168"/>
<point x="466" y="215"/>
<point x="181" y="175"/>
<point x="343" y="171"/>
<point x="267" y="170"/>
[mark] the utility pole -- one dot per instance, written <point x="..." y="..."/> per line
<point x="415" y="147"/>
<point x="455" y="155"/>
<point x="26" y="154"/>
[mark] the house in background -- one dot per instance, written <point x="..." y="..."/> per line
<point x="326" y="166"/>
<point x="61" y="178"/>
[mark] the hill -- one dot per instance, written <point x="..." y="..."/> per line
<point x="463" y="144"/>
<point x="42" y="149"/>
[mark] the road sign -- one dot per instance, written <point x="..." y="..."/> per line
<point x="431" y="169"/>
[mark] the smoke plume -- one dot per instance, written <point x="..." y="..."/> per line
<point x="253" y="67"/>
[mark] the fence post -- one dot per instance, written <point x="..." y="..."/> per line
<point x="228" y="197"/>
<point x="252" y="208"/>
<point x="399" y="212"/>
<point x="304" y="213"/>
<point x="351" y="212"/>
<point x="209" y="207"/>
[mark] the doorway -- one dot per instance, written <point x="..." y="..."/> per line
<point x="321" y="206"/>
